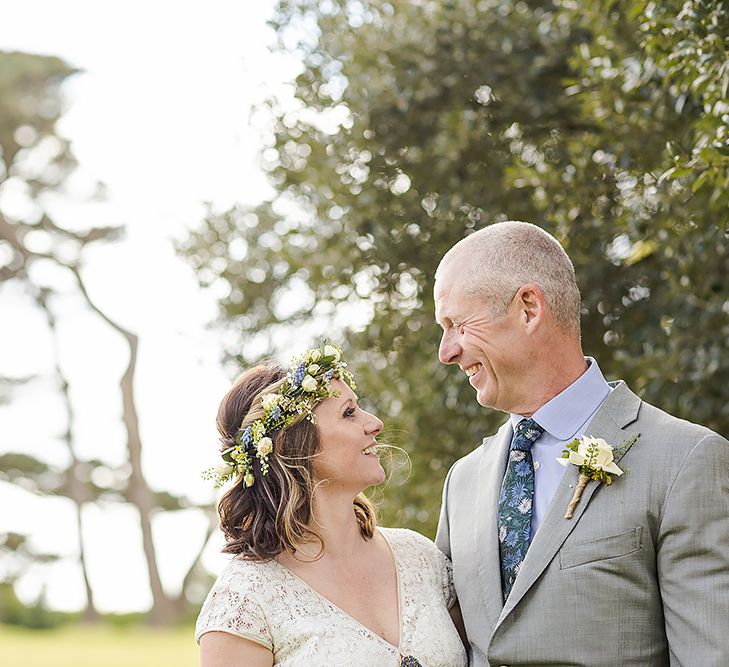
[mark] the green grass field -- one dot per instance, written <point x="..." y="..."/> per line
<point x="79" y="646"/>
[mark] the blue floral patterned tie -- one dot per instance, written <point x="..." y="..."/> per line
<point x="515" y="502"/>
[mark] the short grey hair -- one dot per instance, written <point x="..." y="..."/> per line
<point x="496" y="261"/>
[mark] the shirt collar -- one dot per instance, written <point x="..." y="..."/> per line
<point x="563" y="415"/>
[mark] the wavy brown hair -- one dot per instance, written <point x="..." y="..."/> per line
<point x="275" y="514"/>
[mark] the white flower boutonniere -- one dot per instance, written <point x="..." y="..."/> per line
<point x="595" y="459"/>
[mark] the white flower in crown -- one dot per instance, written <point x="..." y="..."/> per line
<point x="309" y="383"/>
<point x="224" y="470"/>
<point x="249" y="480"/>
<point x="313" y="369"/>
<point x="270" y="401"/>
<point x="331" y="351"/>
<point x="264" y="446"/>
<point x="315" y="355"/>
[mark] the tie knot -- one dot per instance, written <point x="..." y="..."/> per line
<point x="527" y="432"/>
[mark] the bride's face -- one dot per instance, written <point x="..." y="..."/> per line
<point x="346" y="434"/>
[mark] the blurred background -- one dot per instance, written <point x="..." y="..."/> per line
<point x="186" y="189"/>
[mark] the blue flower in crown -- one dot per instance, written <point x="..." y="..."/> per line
<point x="247" y="437"/>
<point x="299" y="374"/>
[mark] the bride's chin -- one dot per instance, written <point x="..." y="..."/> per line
<point x="372" y="479"/>
<point x="379" y="478"/>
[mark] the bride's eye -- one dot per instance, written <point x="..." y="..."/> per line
<point x="349" y="412"/>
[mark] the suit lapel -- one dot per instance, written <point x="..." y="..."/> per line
<point x="619" y="410"/>
<point x="486" y="511"/>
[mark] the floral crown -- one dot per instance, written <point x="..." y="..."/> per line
<point x="305" y="386"/>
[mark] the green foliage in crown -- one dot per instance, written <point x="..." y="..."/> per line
<point x="307" y="384"/>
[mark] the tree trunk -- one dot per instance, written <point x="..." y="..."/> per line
<point x="91" y="614"/>
<point x="75" y="488"/>
<point x="138" y="492"/>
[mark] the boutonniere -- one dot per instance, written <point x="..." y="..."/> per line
<point x="595" y="459"/>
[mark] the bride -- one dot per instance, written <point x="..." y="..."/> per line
<point x="313" y="580"/>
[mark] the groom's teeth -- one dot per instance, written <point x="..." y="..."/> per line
<point x="472" y="370"/>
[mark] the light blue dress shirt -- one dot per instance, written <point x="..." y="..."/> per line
<point x="563" y="419"/>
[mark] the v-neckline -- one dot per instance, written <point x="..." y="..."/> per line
<point x="396" y="564"/>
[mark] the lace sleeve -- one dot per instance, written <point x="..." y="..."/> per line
<point x="231" y="608"/>
<point x="446" y="579"/>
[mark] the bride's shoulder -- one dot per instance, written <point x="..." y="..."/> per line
<point x="408" y="540"/>
<point x="242" y="575"/>
<point x="236" y="602"/>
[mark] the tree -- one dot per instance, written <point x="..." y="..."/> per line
<point x="36" y="163"/>
<point x="410" y="125"/>
<point x="688" y="41"/>
<point x="18" y="557"/>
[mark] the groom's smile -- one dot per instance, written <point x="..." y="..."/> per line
<point x="472" y="370"/>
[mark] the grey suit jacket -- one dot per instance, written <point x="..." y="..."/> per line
<point x="638" y="576"/>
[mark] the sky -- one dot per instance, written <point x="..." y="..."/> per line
<point x="159" y="113"/>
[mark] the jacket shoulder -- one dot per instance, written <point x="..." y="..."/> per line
<point x="673" y="432"/>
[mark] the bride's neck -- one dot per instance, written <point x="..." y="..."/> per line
<point x="335" y="521"/>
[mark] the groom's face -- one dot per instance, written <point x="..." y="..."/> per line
<point x="485" y="346"/>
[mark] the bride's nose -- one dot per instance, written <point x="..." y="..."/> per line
<point x="373" y="425"/>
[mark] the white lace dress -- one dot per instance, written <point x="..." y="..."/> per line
<point x="269" y="604"/>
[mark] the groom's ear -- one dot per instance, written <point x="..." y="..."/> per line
<point x="532" y="306"/>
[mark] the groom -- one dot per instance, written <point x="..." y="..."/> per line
<point x="640" y="574"/>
